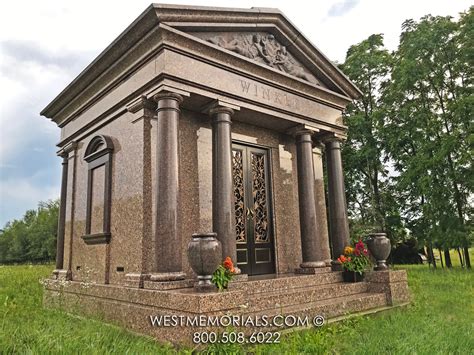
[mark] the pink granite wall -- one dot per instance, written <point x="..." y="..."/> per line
<point x="98" y="263"/>
<point x="134" y="196"/>
<point x="196" y="184"/>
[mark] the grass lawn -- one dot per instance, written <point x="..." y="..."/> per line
<point x="440" y="320"/>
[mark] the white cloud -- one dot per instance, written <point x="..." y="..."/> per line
<point x="342" y="7"/>
<point x="19" y="195"/>
<point x="47" y="43"/>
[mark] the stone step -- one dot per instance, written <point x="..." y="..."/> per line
<point x="328" y="308"/>
<point x="288" y="282"/>
<point x="302" y="295"/>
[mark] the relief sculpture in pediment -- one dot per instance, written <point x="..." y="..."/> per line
<point x="263" y="48"/>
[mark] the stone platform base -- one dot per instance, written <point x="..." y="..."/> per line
<point x="321" y="294"/>
<point x="312" y="270"/>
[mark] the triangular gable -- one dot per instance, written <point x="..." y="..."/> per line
<point x="264" y="35"/>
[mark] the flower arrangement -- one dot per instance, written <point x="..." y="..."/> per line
<point x="355" y="259"/>
<point x="223" y="274"/>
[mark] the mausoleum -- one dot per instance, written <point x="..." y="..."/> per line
<point x="199" y="120"/>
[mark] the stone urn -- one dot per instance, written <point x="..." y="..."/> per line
<point x="380" y="247"/>
<point x="204" y="255"/>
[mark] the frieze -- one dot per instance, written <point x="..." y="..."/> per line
<point x="265" y="93"/>
<point x="261" y="47"/>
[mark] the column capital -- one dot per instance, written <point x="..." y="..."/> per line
<point x="304" y="137"/>
<point x="167" y="95"/>
<point x="302" y="130"/>
<point x="141" y="103"/>
<point x="221" y="109"/>
<point x="64" y="151"/>
<point x="332" y="137"/>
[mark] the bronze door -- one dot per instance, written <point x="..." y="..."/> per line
<point x="254" y="229"/>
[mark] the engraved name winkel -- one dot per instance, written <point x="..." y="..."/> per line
<point x="265" y="93"/>
<point x="263" y="48"/>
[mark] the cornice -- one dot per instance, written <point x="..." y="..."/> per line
<point x="161" y="13"/>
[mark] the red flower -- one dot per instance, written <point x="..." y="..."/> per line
<point x="360" y="245"/>
<point x="357" y="252"/>
<point x="366" y="252"/>
<point x="228" y="264"/>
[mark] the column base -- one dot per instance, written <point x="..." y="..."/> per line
<point x="61" y="274"/>
<point x="312" y="270"/>
<point x="136" y="279"/>
<point x="167" y="276"/>
<point x="313" y="264"/>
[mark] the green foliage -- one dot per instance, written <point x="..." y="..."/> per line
<point x="440" y="300"/>
<point x="221" y="277"/>
<point x="33" y="238"/>
<point x="370" y="193"/>
<point x="408" y="157"/>
<point x="429" y="125"/>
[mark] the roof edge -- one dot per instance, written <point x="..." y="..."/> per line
<point x="151" y="17"/>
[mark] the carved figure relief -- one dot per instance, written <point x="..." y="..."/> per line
<point x="261" y="47"/>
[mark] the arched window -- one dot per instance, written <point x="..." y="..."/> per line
<point x="98" y="155"/>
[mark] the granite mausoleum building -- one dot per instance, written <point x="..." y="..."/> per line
<point x="198" y="120"/>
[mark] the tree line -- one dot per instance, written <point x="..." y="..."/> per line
<point x="33" y="237"/>
<point x="408" y="157"/>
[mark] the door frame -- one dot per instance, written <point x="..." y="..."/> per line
<point x="270" y="198"/>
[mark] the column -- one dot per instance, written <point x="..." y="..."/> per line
<point x="223" y="209"/>
<point x="338" y="222"/>
<point x="144" y="110"/>
<point x="324" y="253"/>
<point x="168" y="265"/>
<point x="310" y="242"/>
<point x="62" y="214"/>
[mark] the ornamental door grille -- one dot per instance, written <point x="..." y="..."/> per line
<point x="254" y="229"/>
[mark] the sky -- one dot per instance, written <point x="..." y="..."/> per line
<point x="45" y="44"/>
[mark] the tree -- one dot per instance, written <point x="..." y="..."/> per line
<point x="428" y="128"/>
<point x="33" y="238"/>
<point x="370" y="198"/>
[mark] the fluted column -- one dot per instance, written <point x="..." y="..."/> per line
<point x="338" y="222"/>
<point x="223" y="209"/>
<point x="310" y="242"/>
<point x="62" y="213"/>
<point x="324" y="252"/>
<point x="168" y="263"/>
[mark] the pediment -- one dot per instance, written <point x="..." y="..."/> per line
<point x="261" y="47"/>
<point x="262" y="35"/>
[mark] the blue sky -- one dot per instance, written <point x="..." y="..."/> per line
<point x="45" y="44"/>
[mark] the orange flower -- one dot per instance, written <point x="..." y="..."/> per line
<point x="342" y="259"/>
<point x="228" y="264"/>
